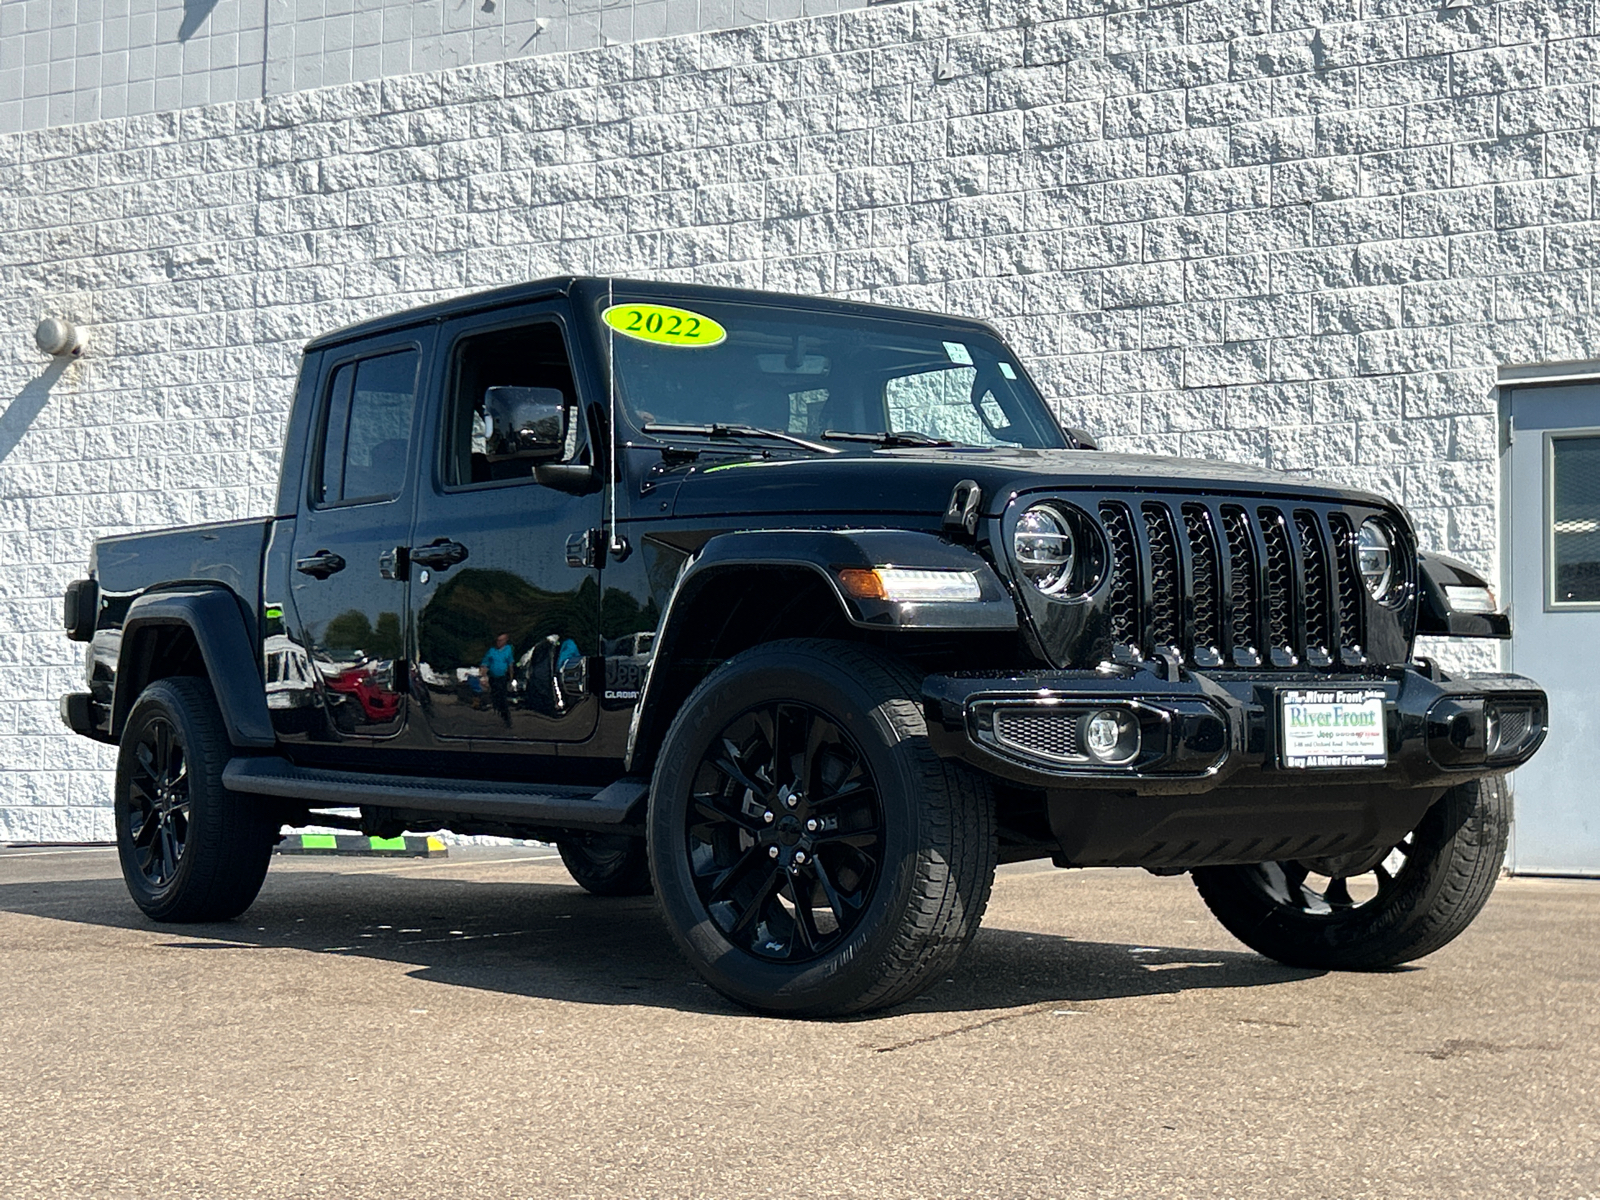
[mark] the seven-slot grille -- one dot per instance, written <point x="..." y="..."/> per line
<point x="1241" y="583"/>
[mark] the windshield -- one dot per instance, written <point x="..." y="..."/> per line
<point x="694" y="366"/>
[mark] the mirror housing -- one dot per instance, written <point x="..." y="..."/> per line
<point x="1437" y="616"/>
<point x="577" y="479"/>
<point x="524" y="422"/>
<point x="1082" y="438"/>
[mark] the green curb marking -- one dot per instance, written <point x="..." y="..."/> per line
<point x="358" y="845"/>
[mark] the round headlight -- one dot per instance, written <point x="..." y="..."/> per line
<point x="1043" y="548"/>
<point x="1375" y="553"/>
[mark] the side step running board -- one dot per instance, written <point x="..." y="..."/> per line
<point x="616" y="808"/>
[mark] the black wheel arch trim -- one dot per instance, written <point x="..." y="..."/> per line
<point x="216" y="619"/>
<point x="822" y="553"/>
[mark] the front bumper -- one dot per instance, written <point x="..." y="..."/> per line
<point x="1210" y="782"/>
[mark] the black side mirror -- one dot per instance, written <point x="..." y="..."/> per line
<point x="524" y="422"/>
<point x="1083" y="439"/>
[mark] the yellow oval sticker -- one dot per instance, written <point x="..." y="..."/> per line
<point x="664" y="325"/>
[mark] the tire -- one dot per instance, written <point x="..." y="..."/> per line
<point x="607" y="864"/>
<point x="1428" y="889"/>
<point x="844" y="871"/>
<point x="190" y="849"/>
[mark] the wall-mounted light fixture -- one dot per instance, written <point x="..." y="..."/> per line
<point x="57" y="337"/>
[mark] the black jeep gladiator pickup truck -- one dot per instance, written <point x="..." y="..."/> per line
<point x="805" y="614"/>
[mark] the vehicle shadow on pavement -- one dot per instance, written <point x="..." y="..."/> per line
<point x="560" y="943"/>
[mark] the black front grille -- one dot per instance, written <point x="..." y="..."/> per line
<point x="1166" y="581"/>
<point x="1351" y="589"/>
<point x="1238" y="583"/>
<point x="1243" y="619"/>
<point x="1320" y="632"/>
<point x="1123" y="605"/>
<point x="1280" y="589"/>
<point x="1206" y="585"/>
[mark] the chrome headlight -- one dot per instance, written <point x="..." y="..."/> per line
<point x="1375" y="554"/>
<point x="1043" y="548"/>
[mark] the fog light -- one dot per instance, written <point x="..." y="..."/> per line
<point x="1111" y="736"/>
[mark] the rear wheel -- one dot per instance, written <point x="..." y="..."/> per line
<point x="811" y="853"/>
<point x="1366" y="914"/>
<point x="190" y="849"/>
<point x="607" y="864"/>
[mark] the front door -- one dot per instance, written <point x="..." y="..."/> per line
<point x="505" y="625"/>
<point x="346" y="607"/>
<point x="1553" y="565"/>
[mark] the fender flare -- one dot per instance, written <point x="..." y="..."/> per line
<point x="213" y="616"/>
<point x="823" y="553"/>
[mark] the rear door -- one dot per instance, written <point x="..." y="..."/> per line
<point x="344" y="620"/>
<point x="1553" y="569"/>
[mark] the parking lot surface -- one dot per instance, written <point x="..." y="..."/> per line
<point x="478" y="1026"/>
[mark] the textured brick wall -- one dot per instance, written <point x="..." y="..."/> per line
<point x="64" y="62"/>
<point x="1275" y="234"/>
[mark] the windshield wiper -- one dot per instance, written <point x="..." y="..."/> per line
<point x="738" y="431"/>
<point x="899" y="437"/>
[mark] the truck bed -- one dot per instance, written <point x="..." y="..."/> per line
<point x="225" y="552"/>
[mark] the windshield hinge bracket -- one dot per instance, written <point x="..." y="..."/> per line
<point x="961" y="514"/>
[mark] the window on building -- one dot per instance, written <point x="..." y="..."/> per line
<point x="1575" y="520"/>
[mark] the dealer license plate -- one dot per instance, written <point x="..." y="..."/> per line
<point x="1327" y="728"/>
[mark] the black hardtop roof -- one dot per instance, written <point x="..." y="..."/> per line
<point x="539" y="289"/>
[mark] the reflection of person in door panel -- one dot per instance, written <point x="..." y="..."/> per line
<point x="496" y="667"/>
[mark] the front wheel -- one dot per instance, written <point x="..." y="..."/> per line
<point x="1364" y="915"/>
<point x="812" y="855"/>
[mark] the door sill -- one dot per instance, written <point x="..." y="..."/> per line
<point x="616" y="808"/>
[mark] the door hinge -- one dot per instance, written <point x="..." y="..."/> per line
<point x="583" y="549"/>
<point x="395" y="563"/>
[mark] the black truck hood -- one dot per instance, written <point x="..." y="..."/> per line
<point x="919" y="481"/>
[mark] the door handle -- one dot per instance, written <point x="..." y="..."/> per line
<point x="439" y="554"/>
<point x="320" y="565"/>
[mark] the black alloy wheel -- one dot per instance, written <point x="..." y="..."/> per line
<point x="1378" y="910"/>
<point x="785" y="833"/>
<point x="1322" y="887"/>
<point x="191" y="850"/>
<point x="811" y="854"/>
<point x="158" y="802"/>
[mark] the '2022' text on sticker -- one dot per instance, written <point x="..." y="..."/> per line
<point x="664" y="325"/>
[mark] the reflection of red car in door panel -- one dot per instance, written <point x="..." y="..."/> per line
<point x="377" y="702"/>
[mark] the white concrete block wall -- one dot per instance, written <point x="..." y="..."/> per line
<point x="1303" y="235"/>
<point x="66" y="62"/>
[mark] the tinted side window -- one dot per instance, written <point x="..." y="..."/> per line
<point x="368" y="433"/>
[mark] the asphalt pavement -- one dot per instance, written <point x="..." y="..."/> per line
<point x="477" y="1026"/>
